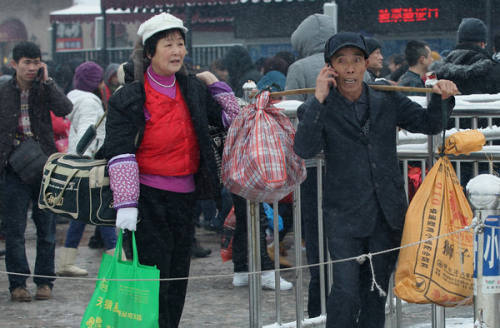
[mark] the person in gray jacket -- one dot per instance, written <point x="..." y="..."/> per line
<point x="309" y="41"/>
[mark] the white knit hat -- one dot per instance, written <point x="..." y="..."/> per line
<point x="158" y="23"/>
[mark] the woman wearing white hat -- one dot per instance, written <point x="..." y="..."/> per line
<point x="159" y="152"/>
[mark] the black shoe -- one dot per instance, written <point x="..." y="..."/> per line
<point x="199" y="251"/>
<point x="95" y="242"/>
<point x="212" y="227"/>
<point x="2" y="252"/>
<point x="62" y="220"/>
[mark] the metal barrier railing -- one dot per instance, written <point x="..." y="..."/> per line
<point x="422" y="152"/>
<point x="202" y="55"/>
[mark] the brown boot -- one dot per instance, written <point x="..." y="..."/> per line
<point x="284" y="263"/>
<point x="43" y="292"/>
<point x="20" y="294"/>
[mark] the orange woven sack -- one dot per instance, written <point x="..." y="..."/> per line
<point x="438" y="270"/>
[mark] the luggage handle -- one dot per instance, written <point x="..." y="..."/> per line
<point x="88" y="136"/>
<point x="58" y="197"/>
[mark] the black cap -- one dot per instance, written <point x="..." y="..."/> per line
<point x="342" y="40"/>
<point x="472" y="30"/>
<point x="372" y="44"/>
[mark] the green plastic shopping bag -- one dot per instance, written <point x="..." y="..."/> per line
<point x="124" y="303"/>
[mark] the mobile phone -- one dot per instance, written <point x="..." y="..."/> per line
<point x="39" y="74"/>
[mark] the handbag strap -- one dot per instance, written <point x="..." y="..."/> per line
<point x="99" y="121"/>
<point x="57" y="197"/>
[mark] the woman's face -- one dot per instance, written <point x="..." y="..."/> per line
<point x="169" y="54"/>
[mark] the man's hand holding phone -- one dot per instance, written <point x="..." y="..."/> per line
<point x="324" y="82"/>
<point x="43" y="73"/>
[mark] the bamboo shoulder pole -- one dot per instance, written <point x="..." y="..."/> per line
<point x="374" y="86"/>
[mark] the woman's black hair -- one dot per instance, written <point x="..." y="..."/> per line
<point x="152" y="41"/>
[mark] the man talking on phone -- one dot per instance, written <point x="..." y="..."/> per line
<point x="26" y="101"/>
<point x="364" y="200"/>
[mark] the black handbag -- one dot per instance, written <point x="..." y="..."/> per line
<point x="27" y="160"/>
<point x="217" y="140"/>
<point x="77" y="187"/>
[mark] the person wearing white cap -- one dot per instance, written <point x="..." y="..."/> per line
<point x="159" y="152"/>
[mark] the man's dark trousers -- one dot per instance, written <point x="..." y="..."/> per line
<point x="351" y="302"/>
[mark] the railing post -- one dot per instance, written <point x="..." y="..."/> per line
<point x="104" y="49"/>
<point x="321" y="239"/>
<point x="276" y="246"/>
<point x="438" y="316"/>
<point x="254" y="263"/>
<point x="253" y="237"/>
<point x="299" y="291"/>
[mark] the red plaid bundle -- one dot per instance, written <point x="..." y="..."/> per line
<point x="259" y="162"/>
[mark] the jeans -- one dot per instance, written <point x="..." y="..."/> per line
<point x="18" y="196"/>
<point x="75" y="233"/>
<point x="286" y="213"/>
<point x="227" y="204"/>
<point x="207" y="208"/>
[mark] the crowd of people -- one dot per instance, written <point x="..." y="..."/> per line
<point x="168" y="177"/>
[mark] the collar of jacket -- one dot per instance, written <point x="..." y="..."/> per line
<point x="374" y="98"/>
<point x="473" y="47"/>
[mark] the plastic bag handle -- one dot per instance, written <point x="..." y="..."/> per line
<point x="119" y="246"/>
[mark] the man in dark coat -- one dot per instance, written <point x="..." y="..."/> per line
<point x="376" y="60"/>
<point x="364" y="201"/>
<point x="418" y="56"/>
<point x="474" y="71"/>
<point x="241" y="69"/>
<point x="469" y="65"/>
<point x="26" y="101"/>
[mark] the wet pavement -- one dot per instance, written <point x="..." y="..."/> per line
<point x="212" y="300"/>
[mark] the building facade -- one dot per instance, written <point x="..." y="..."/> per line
<point x="27" y="20"/>
<point x="66" y="27"/>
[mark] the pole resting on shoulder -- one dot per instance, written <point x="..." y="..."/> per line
<point x="373" y="86"/>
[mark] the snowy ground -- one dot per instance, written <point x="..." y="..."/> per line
<point x="450" y="323"/>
